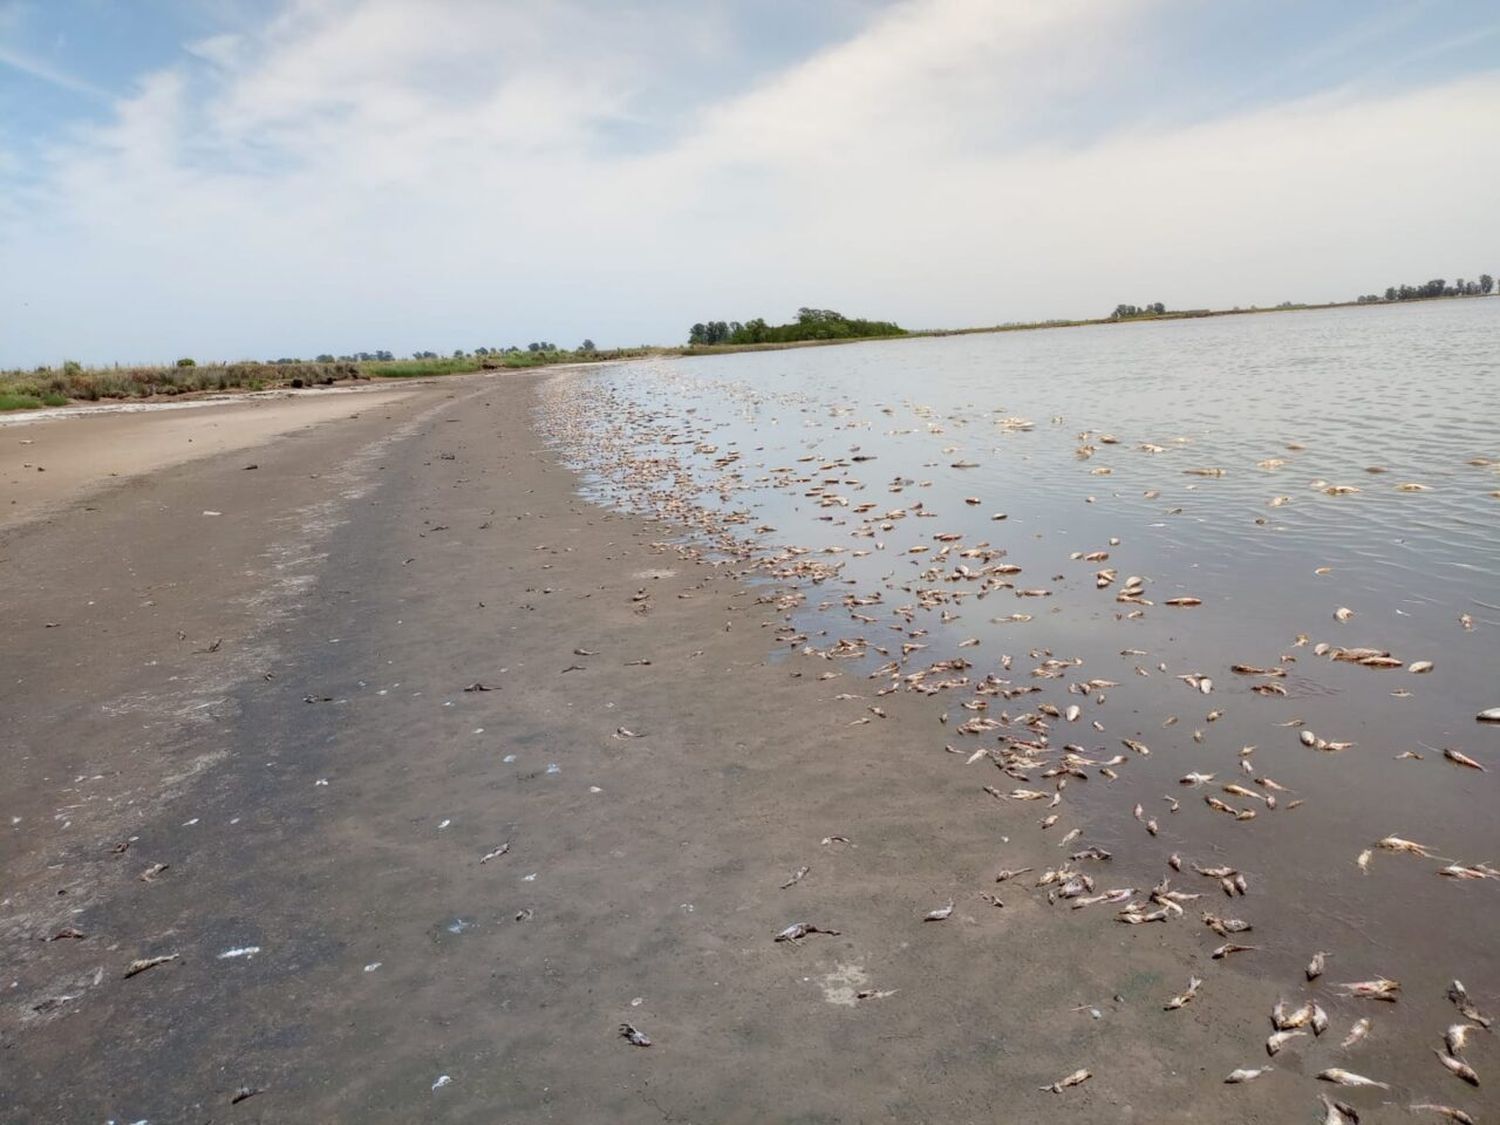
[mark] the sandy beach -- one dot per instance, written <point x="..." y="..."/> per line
<point x="425" y="776"/>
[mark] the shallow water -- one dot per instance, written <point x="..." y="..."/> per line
<point x="1331" y="395"/>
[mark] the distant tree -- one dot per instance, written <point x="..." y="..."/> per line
<point x="187" y="361"/>
<point x="1390" y="293"/>
<point x="1486" y="283"/>
<point x="587" y="346"/>
<point x="325" y="358"/>
<point x="458" y="353"/>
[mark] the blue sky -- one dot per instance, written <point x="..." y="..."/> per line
<point x="235" y="178"/>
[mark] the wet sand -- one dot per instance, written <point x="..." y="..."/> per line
<point x="271" y="702"/>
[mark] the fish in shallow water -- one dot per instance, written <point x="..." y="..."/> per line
<point x="1315" y="966"/>
<point x="1448" y="1111"/>
<point x="1460" y="997"/>
<point x="1342" y="1077"/>
<point x="1245" y="1074"/>
<point x="1378" y="989"/>
<point x="1360" y="1029"/>
<point x="1280" y="1039"/>
<point x="1337" y="1113"/>
<point x="1456" y="1036"/>
<point x="1457" y="1067"/>
<point x="1459" y="758"/>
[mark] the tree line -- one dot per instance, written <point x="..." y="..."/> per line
<point x="1125" y="312"/>
<point x="811" y="324"/>
<point x="1437" y="287"/>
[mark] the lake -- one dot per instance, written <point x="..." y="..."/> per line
<point x="1318" y="481"/>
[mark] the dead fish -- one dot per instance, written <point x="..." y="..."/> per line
<point x="1378" y="989"/>
<point x="1315" y="966"/>
<point x="799" y="930"/>
<point x="1465" y="1006"/>
<point x="477" y="686"/>
<point x="1420" y="666"/>
<point x="1363" y="859"/>
<point x="1245" y="1074"/>
<point x="1279" y="1040"/>
<point x="1492" y="715"/>
<point x="1195" y="778"/>
<point x="1343" y="613"/>
<point x="1282" y="1020"/>
<point x="1077" y="1078"/>
<point x="1459" y="758"/>
<point x="636" y="1036"/>
<point x="1007" y="873"/>
<point x="622" y="732"/>
<point x="1184" y="601"/>
<point x="149" y="875"/>
<point x="1337" y="1113"/>
<point x="1319" y="1022"/>
<point x="496" y="854"/>
<point x="1447" y="1111"/>
<point x="1360" y="1029"/>
<point x="140" y="965"/>
<point x="1349" y="1078"/>
<point x="940" y="914"/>
<point x="1229" y="947"/>
<point x="1397" y="844"/>
<point x="1225" y="926"/>
<point x="1455" y="1038"/>
<point x="1185" y="998"/>
<point x="1458" y="1068"/>
<point x="797" y="877"/>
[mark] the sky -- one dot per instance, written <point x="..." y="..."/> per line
<point x="233" y="179"/>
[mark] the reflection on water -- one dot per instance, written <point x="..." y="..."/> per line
<point x="1280" y="468"/>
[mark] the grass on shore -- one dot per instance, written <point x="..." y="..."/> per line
<point x="22" y="390"/>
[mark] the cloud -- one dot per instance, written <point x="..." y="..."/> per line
<point x="367" y="173"/>
<point x="45" y="72"/>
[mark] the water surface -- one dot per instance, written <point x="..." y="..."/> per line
<point x="1278" y="467"/>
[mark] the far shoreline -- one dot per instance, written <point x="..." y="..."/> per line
<point x="22" y="393"/>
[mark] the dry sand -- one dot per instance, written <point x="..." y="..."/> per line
<point x="49" y="458"/>
<point x="271" y="701"/>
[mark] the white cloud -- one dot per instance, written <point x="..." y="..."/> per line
<point x="368" y="173"/>
<point x="40" y="68"/>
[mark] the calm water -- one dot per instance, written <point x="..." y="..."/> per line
<point x="1120" y="417"/>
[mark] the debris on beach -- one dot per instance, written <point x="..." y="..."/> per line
<point x="635" y="1035"/>
<point x="1077" y="1078"/>
<point x="141" y="964"/>
<point x="799" y="930"/>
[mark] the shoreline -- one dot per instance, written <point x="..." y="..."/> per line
<point x="658" y="859"/>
